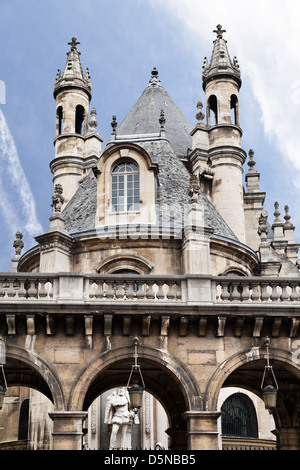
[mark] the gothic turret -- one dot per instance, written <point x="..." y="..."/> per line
<point x="217" y="157"/>
<point x="77" y="148"/>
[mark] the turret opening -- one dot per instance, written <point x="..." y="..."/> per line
<point x="79" y="118"/>
<point x="234" y="110"/>
<point x="59" y="120"/>
<point x="212" y="105"/>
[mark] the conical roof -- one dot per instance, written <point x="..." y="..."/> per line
<point x="220" y="62"/>
<point x="73" y="75"/>
<point x="145" y="114"/>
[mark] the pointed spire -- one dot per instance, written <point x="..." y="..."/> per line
<point x="73" y="75"/>
<point x="220" y="63"/>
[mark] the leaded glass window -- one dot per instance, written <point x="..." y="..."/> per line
<point x="239" y="417"/>
<point x="125" y="194"/>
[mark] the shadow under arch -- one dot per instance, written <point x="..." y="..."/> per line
<point x="28" y="369"/>
<point x="165" y="377"/>
<point x="245" y="369"/>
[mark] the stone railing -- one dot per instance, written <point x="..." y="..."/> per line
<point x="20" y="287"/>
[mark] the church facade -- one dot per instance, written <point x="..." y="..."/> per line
<point x="157" y="252"/>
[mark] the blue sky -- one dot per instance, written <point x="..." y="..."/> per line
<point x="120" y="43"/>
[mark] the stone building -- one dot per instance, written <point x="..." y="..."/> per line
<point x="158" y="235"/>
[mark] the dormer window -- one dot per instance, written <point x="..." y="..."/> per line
<point x="125" y="193"/>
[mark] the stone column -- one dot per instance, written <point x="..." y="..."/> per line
<point x="202" y="429"/>
<point x="67" y="429"/>
<point x="289" y="438"/>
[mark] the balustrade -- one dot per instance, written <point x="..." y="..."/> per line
<point x="37" y="286"/>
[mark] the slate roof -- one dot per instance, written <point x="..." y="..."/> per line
<point x="142" y="125"/>
<point x="144" y="117"/>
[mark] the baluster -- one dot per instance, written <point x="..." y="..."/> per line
<point x="256" y="292"/>
<point x="11" y="291"/>
<point x="140" y="289"/>
<point x="42" y="292"/>
<point x="275" y="295"/>
<point x="32" y="290"/>
<point x="265" y="295"/>
<point x="150" y="293"/>
<point x="235" y="294"/>
<point x="160" y="295"/>
<point x="2" y="289"/>
<point x="171" y="292"/>
<point x="22" y="291"/>
<point x="131" y="290"/>
<point x="245" y="292"/>
<point x="225" y="295"/>
<point x="110" y="292"/>
<point x="295" y="292"/>
<point x="177" y="290"/>
<point x="284" y="294"/>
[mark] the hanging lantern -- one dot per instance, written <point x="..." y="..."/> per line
<point x="135" y="391"/>
<point x="270" y="389"/>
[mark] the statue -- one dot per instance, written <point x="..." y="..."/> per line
<point x="18" y="243"/>
<point x="57" y="199"/>
<point x="119" y="417"/>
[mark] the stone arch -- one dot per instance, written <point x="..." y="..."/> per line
<point x="128" y="261"/>
<point x="40" y="376"/>
<point x="240" y="359"/>
<point x="94" y="379"/>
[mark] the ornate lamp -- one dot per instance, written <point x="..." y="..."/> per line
<point x="3" y="387"/>
<point x="135" y="390"/>
<point x="269" y="386"/>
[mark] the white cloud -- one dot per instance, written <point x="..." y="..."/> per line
<point x="17" y="203"/>
<point x="265" y="37"/>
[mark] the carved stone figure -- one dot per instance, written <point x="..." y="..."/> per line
<point x="57" y="198"/>
<point x="119" y="418"/>
<point x="18" y="243"/>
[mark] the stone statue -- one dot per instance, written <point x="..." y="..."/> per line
<point x="57" y="199"/>
<point x="119" y="418"/>
<point x="18" y="243"/>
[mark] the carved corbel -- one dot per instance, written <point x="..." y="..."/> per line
<point x="146" y="325"/>
<point x="257" y="327"/>
<point x="221" y="326"/>
<point x="11" y="324"/>
<point x="202" y="325"/>
<point x="183" y="330"/>
<point x="30" y="325"/>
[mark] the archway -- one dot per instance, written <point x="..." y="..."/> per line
<point x="33" y="391"/>
<point x="245" y="369"/>
<point x="165" y="377"/>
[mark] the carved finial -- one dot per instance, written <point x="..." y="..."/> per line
<point x="200" y="115"/>
<point x="73" y="44"/>
<point x="287" y="217"/>
<point x="114" y="125"/>
<point x="93" y="123"/>
<point x="219" y="31"/>
<point x="57" y="198"/>
<point x="251" y="162"/>
<point x="263" y="228"/>
<point x="194" y="189"/>
<point x="18" y="243"/>
<point x="162" y="119"/>
<point x="276" y="213"/>
<point x="235" y="62"/>
<point x="154" y="78"/>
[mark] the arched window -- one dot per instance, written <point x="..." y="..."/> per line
<point x="239" y="417"/>
<point x="212" y="106"/>
<point x="79" y="118"/>
<point x="23" y="433"/>
<point x="234" y="110"/>
<point x="125" y="193"/>
<point x="59" y="120"/>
